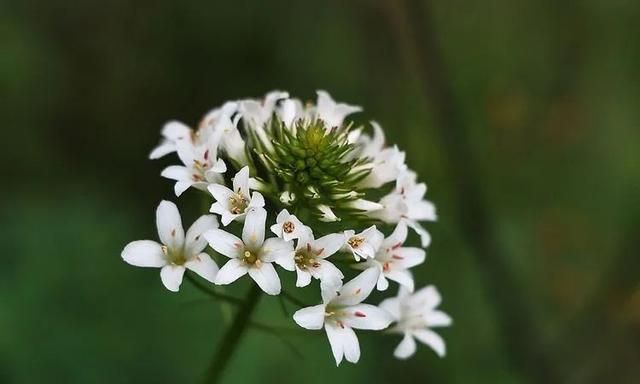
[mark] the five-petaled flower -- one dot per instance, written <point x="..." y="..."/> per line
<point x="364" y="244"/>
<point x="288" y="227"/>
<point x="342" y="311"/>
<point x="415" y="314"/>
<point x="253" y="254"/>
<point x="310" y="259"/>
<point x="393" y="260"/>
<point x="177" y="251"/>
<point x="235" y="204"/>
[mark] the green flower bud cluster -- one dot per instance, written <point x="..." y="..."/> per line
<point x="313" y="161"/>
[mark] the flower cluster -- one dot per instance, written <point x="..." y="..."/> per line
<point x="295" y="187"/>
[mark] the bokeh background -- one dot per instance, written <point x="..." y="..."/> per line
<point x="522" y="117"/>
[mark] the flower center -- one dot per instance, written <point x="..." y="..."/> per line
<point x="175" y="257"/>
<point x="238" y="203"/>
<point x="250" y="258"/>
<point x="355" y="241"/>
<point x="288" y="227"/>
<point x="305" y="258"/>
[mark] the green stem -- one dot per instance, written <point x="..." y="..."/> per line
<point x="203" y="288"/>
<point x="231" y="339"/>
<point x="293" y="299"/>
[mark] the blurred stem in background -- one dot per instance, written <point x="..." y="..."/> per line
<point x="231" y="339"/>
<point x="411" y="24"/>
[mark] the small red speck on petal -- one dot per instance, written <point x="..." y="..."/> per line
<point x="173" y="233"/>
<point x="340" y="324"/>
<point x="308" y="247"/>
<point x="360" y="314"/>
<point x="397" y="246"/>
<point x="358" y="291"/>
<point x="206" y="154"/>
<point x="397" y="257"/>
<point x="237" y="245"/>
<point x="319" y="251"/>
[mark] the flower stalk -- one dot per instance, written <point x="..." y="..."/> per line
<point x="231" y="340"/>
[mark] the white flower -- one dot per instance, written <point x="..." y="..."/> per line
<point x="393" y="260"/>
<point x="230" y="140"/>
<point x="331" y="112"/>
<point x="326" y="214"/>
<point x="253" y="254"/>
<point x="386" y="163"/>
<point x="415" y="315"/>
<point x="172" y="132"/>
<point x="177" y="251"/>
<point x="406" y="203"/>
<point x="310" y="260"/>
<point x="364" y="244"/>
<point x="236" y="203"/>
<point x="201" y="165"/>
<point x="342" y="311"/>
<point x="289" y="111"/>
<point x="288" y="227"/>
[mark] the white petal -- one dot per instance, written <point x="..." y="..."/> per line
<point x="383" y="283"/>
<point x="402" y="277"/>
<point x="364" y="205"/>
<point x="169" y="225"/>
<point x="204" y="266"/>
<point x="329" y="273"/>
<point x="423" y="210"/>
<point x="161" y="150"/>
<point x="181" y="186"/>
<point x="253" y="230"/>
<point x="424" y="235"/>
<point x="303" y="278"/>
<point x="425" y="298"/>
<point x="221" y="194"/>
<point x="406" y="348"/>
<point x="344" y="342"/>
<point x="224" y="243"/>
<point x="278" y="250"/>
<point x="327" y="214"/>
<point x="241" y="182"/>
<point x="437" y="319"/>
<point x="144" y="253"/>
<point x="266" y="278"/>
<point x="392" y="306"/>
<point x="310" y="317"/>
<point x="408" y="257"/>
<point x="398" y="237"/>
<point x="257" y="200"/>
<point x="431" y="339"/>
<point x="177" y="172"/>
<point x="194" y="241"/>
<point x="171" y="276"/>
<point x="329" y="244"/>
<point x="231" y="271"/>
<point x="175" y="130"/>
<point x="366" y="316"/>
<point x="358" y="289"/>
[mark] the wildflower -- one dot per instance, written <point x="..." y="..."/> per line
<point x="310" y="259"/>
<point x="406" y="203"/>
<point x="288" y="227"/>
<point x="172" y="132"/>
<point x="342" y="311"/>
<point x="201" y="165"/>
<point x="177" y="251"/>
<point x="364" y="244"/>
<point x="414" y="315"/>
<point x="253" y="254"/>
<point x="393" y="260"/>
<point x="235" y="204"/>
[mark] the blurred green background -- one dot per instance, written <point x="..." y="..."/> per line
<point x="522" y="117"/>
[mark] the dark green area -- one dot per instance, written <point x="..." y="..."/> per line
<point x="525" y="125"/>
